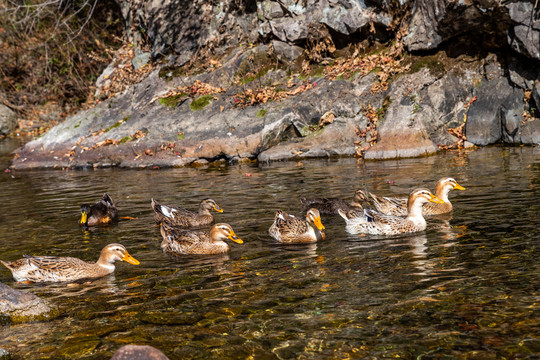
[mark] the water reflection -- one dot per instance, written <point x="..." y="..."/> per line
<point x="468" y="282"/>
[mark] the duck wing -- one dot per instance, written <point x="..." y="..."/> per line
<point x="182" y="241"/>
<point x="324" y="205"/>
<point x="51" y="268"/>
<point x="386" y="205"/>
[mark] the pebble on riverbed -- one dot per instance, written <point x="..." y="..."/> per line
<point x="138" y="352"/>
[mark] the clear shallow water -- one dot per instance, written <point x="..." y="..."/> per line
<point x="466" y="288"/>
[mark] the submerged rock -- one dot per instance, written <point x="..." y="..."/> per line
<point x="19" y="306"/>
<point x="4" y="355"/>
<point x="138" y="352"/>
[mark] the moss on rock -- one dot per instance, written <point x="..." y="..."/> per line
<point x="201" y="102"/>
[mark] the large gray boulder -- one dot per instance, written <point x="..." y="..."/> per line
<point x="498" y="108"/>
<point x="18" y="306"/>
<point x="403" y="132"/>
<point x="497" y="94"/>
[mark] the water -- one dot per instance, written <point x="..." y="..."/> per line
<point x="466" y="288"/>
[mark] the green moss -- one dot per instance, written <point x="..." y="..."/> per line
<point x="352" y="76"/>
<point x="117" y="124"/>
<point x="201" y="102"/>
<point x="311" y="130"/>
<point x="255" y="76"/>
<point x="381" y="112"/>
<point x="172" y="101"/>
<point x="432" y="63"/>
<point x="254" y="67"/>
<point x="168" y="73"/>
<point x="125" y="139"/>
<point x="181" y="135"/>
<point x="317" y="71"/>
<point x="261" y="113"/>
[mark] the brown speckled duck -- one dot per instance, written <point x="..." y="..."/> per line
<point x="184" y="242"/>
<point x="330" y="206"/>
<point x="56" y="269"/>
<point x="289" y="229"/>
<point x="398" y="206"/>
<point x="183" y="218"/>
<point x="102" y="212"/>
<point x="375" y="223"/>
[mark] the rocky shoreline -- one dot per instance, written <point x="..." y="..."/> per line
<point x="454" y="84"/>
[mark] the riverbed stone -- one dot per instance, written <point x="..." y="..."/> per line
<point x="8" y="120"/>
<point x="18" y="306"/>
<point x="4" y="355"/>
<point x="138" y="352"/>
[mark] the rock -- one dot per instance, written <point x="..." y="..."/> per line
<point x="140" y="60"/>
<point x="20" y="306"/>
<point x="290" y="30"/>
<point x="436" y="21"/>
<point x="103" y="79"/>
<point x="423" y="27"/>
<point x="498" y="105"/>
<point x="138" y="352"/>
<point x="8" y="120"/>
<point x="403" y="132"/>
<point x="525" y="34"/>
<point x="528" y="133"/>
<point x="270" y="9"/>
<point x="286" y="51"/>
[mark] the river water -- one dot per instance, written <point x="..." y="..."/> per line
<point x="466" y="288"/>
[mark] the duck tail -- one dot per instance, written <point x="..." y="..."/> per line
<point x="6" y="264"/>
<point x="343" y="214"/>
<point x="107" y="199"/>
<point x="280" y="214"/>
<point x="156" y="206"/>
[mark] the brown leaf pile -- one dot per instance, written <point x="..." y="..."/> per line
<point x="137" y="135"/>
<point x="124" y="73"/>
<point x="198" y="88"/>
<point x="327" y="118"/>
<point x="250" y="97"/>
<point x="369" y="135"/>
<point x="386" y="65"/>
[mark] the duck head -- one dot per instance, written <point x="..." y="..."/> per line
<point x="314" y="217"/>
<point x="224" y="231"/>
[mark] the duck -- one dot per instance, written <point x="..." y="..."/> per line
<point x="330" y="206"/>
<point x="102" y="212"/>
<point x="183" y="218"/>
<point x="398" y="206"/>
<point x="289" y="229"/>
<point x="372" y="222"/>
<point x="181" y="241"/>
<point x="58" y="269"/>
